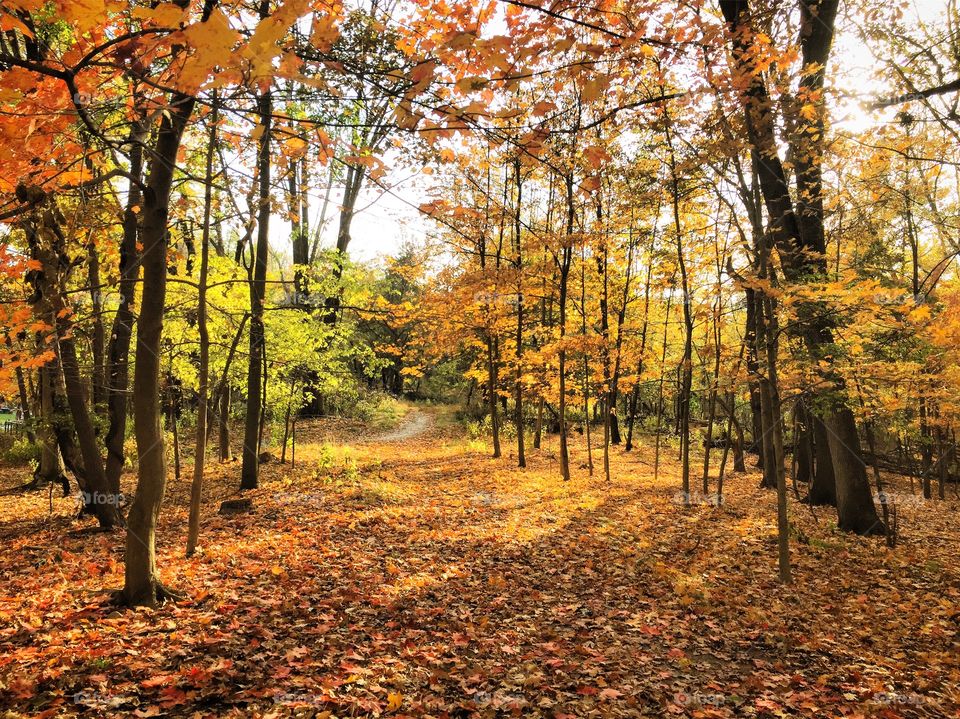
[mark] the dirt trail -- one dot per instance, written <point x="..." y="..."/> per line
<point x="415" y="423"/>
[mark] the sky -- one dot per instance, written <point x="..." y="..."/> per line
<point x="387" y="220"/>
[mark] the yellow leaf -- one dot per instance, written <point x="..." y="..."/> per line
<point x="394" y="700"/>
<point x="84" y="15"/>
<point x="544" y="107"/>
<point x="809" y="112"/>
<point x="592" y="89"/>
<point x="212" y="42"/>
<point x="8" y="22"/>
<point x="165" y="14"/>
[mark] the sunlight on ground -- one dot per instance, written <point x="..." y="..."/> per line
<point x="379" y="569"/>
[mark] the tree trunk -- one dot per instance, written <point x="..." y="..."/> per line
<point x="351" y="191"/>
<point x="98" y="340"/>
<point x="753" y="372"/>
<point x="769" y="419"/>
<point x="49" y="468"/>
<point x="566" y="259"/>
<point x="586" y="359"/>
<point x="823" y="488"/>
<point x="712" y="400"/>
<point x="943" y="463"/>
<point x="299" y="230"/>
<point x="802" y="444"/>
<point x="106" y="504"/>
<point x="518" y="264"/>
<point x="663" y="360"/>
<point x="769" y="320"/>
<point x="223" y="417"/>
<point x="220" y="399"/>
<point x="635" y="393"/>
<point x="173" y="409"/>
<point x="141" y="583"/>
<point x="926" y="451"/>
<point x="24" y="399"/>
<point x="118" y="351"/>
<point x="797" y="229"/>
<point x="854" y="500"/>
<point x="492" y="384"/>
<point x="538" y="424"/>
<point x="686" y="380"/>
<point x="200" y="445"/>
<point x="250" y="471"/>
<point x="47" y="247"/>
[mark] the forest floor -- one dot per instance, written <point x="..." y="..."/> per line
<point x="411" y="575"/>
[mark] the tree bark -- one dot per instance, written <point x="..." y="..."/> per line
<point x="250" y="471"/>
<point x="223" y="417"/>
<point x="118" y="351"/>
<point x="48" y="248"/>
<point x="797" y="230"/>
<point x="492" y="384"/>
<point x="566" y="259"/>
<point x="98" y="339"/>
<point x="823" y="488"/>
<point x="142" y="586"/>
<point x="686" y="380"/>
<point x="518" y="265"/>
<point x="200" y="446"/>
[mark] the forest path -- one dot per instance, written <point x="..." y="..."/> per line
<point x="415" y="423"/>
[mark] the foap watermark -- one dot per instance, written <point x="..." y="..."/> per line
<point x="298" y="299"/>
<point x="899" y="698"/>
<point x="101" y="700"/>
<point x="899" y="499"/>
<point x="104" y="300"/>
<point x="712" y="499"/>
<point x="498" y="699"/>
<point x="300" y="699"/>
<point x="496" y="299"/>
<point x="85" y="99"/>
<point x="310" y="499"/>
<point x="697" y="699"/>
<point x="91" y="499"/>
<point x="899" y="299"/>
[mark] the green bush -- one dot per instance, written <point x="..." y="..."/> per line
<point x="483" y="428"/>
<point x="22" y="451"/>
<point x="379" y="409"/>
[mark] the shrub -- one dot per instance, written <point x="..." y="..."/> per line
<point x="22" y="451"/>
